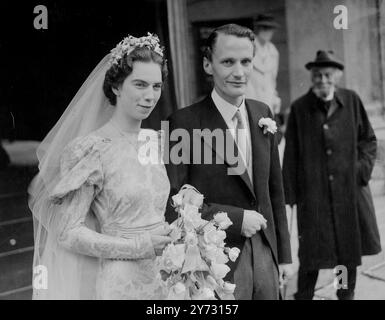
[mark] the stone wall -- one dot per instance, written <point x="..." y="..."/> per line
<point x="310" y="28"/>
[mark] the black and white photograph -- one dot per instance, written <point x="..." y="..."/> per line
<point x="212" y="150"/>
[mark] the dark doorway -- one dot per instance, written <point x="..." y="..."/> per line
<point x="41" y="70"/>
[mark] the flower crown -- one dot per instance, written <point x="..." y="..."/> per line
<point x="128" y="44"/>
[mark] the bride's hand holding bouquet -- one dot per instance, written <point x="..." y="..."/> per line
<point x="194" y="264"/>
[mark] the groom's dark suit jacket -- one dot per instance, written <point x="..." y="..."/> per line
<point x="233" y="193"/>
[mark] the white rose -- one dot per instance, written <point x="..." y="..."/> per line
<point x="215" y="254"/>
<point x="177" y="292"/>
<point x="190" y="196"/>
<point x="190" y="209"/>
<point x="210" y="251"/>
<point x="220" y="256"/>
<point x="210" y="237"/>
<point x="211" y="281"/>
<point x="234" y="253"/>
<point x="268" y="125"/>
<point x="179" y="256"/>
<point x="176" y="232"/>
<point x="228" y="288"/>
<point x="209" y="227"/>
<point x="203" y="294"/>
<point x="191" y="239"/>
<point x="179" y="288"/>
<point x="173" y="257"/>
<point x="192" y="217"/>
<point x="219" y="270"/>
<point x="197" y="200"/>
<point x="221" y="235"/>
<point x="222" y="220"/>
<point x="177" y="200"/>
<point x="208" y="294"/>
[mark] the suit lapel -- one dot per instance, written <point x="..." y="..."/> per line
<point x="212" y="119"/>
<point x="259" y="144"/>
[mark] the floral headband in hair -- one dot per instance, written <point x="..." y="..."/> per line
<point x="128" y="44"/>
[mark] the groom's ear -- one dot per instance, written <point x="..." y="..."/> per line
<point x="207" y="66"/>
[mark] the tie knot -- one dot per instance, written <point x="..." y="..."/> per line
<point x="327" y="104"/>
<point x="239" y="118"/>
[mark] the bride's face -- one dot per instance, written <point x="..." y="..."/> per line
<point x="141" y="90"/>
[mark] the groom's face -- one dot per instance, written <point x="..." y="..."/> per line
<point x="230" y="66"/>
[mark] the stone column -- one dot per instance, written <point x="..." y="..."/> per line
<point x="381" y="22"/>
<point x="361" y="52"/>
<point x="178" y="31"/>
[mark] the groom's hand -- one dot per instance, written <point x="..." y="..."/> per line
<point x="252" y="222"/>
<point x="286" y="272"/>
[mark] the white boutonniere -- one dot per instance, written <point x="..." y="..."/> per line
<point x="268" y="125"/>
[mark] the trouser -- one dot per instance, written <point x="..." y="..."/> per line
<point x="256" y="275"/>
<point x="307" y="280"/>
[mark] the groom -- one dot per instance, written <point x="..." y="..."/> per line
<point x="252" y="197"/>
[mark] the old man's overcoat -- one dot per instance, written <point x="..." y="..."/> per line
<point x="328" y="162"/>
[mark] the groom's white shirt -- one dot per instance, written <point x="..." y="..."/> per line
<point x="227" y="110"/>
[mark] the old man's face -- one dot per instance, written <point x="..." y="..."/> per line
<point x="324" y="79"/>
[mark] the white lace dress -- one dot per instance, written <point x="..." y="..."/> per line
<point x="128" y="199"/>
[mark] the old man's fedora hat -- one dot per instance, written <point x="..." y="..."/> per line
<point x="325" y="59"/>
<point x="265" y="20"/>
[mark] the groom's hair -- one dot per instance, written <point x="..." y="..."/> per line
<point x="227" y="29"/>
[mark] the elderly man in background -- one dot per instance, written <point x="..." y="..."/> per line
<point x="328" y="160"/>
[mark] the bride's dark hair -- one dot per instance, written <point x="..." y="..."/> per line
<point x="117" y="73"/>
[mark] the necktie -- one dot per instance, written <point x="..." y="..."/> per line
<point x="241" y="136"/>
<point x="327" y="104"/>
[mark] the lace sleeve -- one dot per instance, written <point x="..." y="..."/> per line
<point x="74" y="235"/>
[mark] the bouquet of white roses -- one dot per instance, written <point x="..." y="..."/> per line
<point x="194" y="264"/>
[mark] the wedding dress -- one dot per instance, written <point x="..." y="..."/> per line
<point x="128" y="199"/>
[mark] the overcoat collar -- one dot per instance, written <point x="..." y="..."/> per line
<point x="314" y="101"/>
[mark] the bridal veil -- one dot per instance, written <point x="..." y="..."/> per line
<point x="57" y="272"/>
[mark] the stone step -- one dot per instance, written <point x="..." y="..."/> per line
<point x="24" y="293"/>
<point x="16" y="270"/>
<point x="16" y="234"/>
<point x="14" y="206"/>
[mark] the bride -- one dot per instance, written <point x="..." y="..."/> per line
<point x="98" y="209"/>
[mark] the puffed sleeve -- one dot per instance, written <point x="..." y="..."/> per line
<point x="79" y="164"/>
<point x="81" y="180"/>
